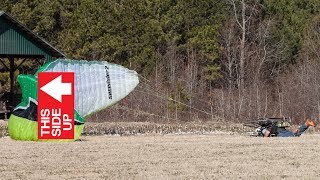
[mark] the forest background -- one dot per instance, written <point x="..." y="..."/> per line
<point x="198" y="60"/>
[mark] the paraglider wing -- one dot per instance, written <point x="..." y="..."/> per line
<point x="98" y="84"/>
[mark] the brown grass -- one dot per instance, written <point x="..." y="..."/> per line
<point x="162" y="157"/>
<point x="133" y="128"/>
<point x="3" y="128"/>
<point x="137" y="128"/>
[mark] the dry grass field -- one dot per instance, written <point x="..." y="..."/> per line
<point x="211" y="156"/>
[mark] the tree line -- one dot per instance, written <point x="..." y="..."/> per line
<point x="198" y="59"/>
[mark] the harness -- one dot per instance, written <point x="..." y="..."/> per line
<point x="273" y="130"/>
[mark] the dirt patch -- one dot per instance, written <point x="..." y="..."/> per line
<point x="167" y="156"/>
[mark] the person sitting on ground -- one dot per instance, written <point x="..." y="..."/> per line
<point x="288" y="133"/>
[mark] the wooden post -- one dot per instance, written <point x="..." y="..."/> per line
<point x="12" y="69"/>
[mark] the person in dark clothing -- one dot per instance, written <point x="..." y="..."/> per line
<point x="287" y="133"/>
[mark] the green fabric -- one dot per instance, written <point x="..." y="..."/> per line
<point x="26" y="130"/>
<point x="29" y="88"/>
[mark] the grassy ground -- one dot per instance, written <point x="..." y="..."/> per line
<point x="137" y="128"/>
<point x="3" y="128"/>
<point x="214" y="156"/>
<point x="134" y="128"/>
